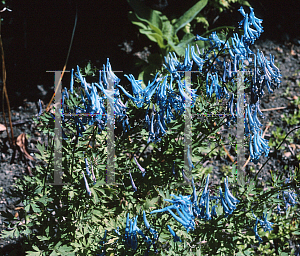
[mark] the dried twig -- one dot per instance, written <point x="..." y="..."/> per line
<point x="4" y="94"/>
<point x="64" y="69"/>
<point x="270" y="109"/>
<point x="231" y="158"/>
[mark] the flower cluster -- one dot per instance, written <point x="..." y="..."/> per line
<point x="132" y="230"/>
<point x="265" y="73"/>
<point x="289" y="198"/>
<point x="188" y="207"/>
<point x="169" y="100"/>
<point x="94" y="111"/>
<point x="265" y="224"/>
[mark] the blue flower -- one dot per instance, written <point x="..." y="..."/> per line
<point x="86" y="185"/>
<point x="226" y="209"/>
<point x="289" y="198"/>
<point x="189" y="158"/>
<point x="173" y="65"/>
<point x="132" y="182"/>
<point x="175" y="237"/>
<point x="72" y="80"/>
<point x="250" y="34"/>
<point x="228" y="201"/>
<point x="131" y="232"/>
<point x="152" y="231"/>
<point x="265" y="224"/>
<point x="214" y="40"/>
<point x="204" y="202"/>
<point x="188" y="64"/>
<point x="140" y="167"/>
<point x="258" y="145"/>
<point x="187" y="95"/>
<point x="40" y="108"/>
<point x="184" y="204"/>
<point x="267" y="73"/>
<point x="198" y="60"/>
<point x="184" y="176"/>
<point x="141" y="95"/>
<point x="214" y="87"/>
<point x="256" y="233"/>
<point x="87" y="167"/>
<point x="109" y="78"/>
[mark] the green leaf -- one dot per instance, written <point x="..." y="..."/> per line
<point x="35" y="208"/>
<point x="146" y="14"/>
<point x="189" y="15"/>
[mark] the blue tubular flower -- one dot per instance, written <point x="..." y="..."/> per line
<point x="131" y="232"/>
<point x="250" y="34"/>
<point x="213" y="209"/>
<point x="87" y="167"/>
<point x="289" y="198"/>
<point x="145" y="220"/>
<point x="162" y="92"/>
<point x="240" y="47"/>
<point x="184" y="176"/>
<point x="161" y="123"/>
<point x="140" y="167"/>
<point x="173" y="65"/>
<point x="199" y="61"/>
<point x="182" y="216"/>
<point x="253" y="122"/>
<point x="40" y="108"/>
<point x="255" y="21"/>
<point x="134" y="235"/>
<point x="175" y="237"/>
<point x="189" y="158"/>
<point x="72" y="80"/>
<point x="111" y="77"/>
<point x="86" y="185"/>
<point x="265" y="224"/>
<point x="256" y="233"/>
<point x="226" y="209"/>
<point x="137" y="91"/>
<point x="267" y="72"/>
<point x="188" y="94"/>
<point x="207" y="213"/>
<point x="230" y="199"/>
<point x="132" y="182"/>
<point x="84" y="84"/>
<point x="151" y="88"/>
<point x="152" y="231"/>
<point x="200" y="38"/>
<point x="214" y="87"/>
<point x="188" y="64"/>
<point x="204" y="193"/>
<point x="127" y="229"/>
<point x="259" y="146"/>
<point x="213" y="39"/>
<point x="181" y="221"/>
<point x="163" y="210"/>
